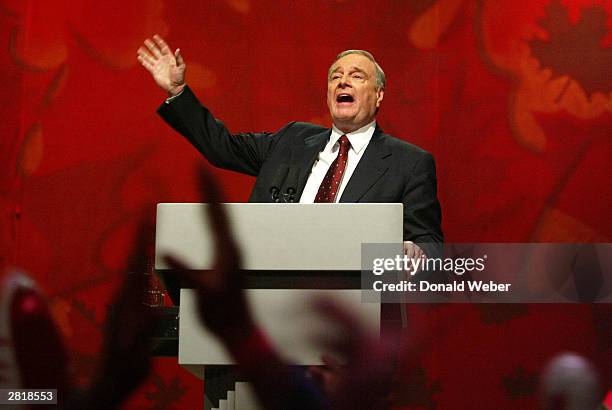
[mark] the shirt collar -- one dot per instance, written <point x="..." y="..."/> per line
<point x="359" y="139"/>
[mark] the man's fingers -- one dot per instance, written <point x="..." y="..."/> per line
<point x="152" y="47"/>
<point x="163" y="46"/>
<point x="146" y="60"/>
<point x="179" y="57"/>
<point x="146" y="64"/>
<point x="419" y="252"/>
<point x="144" y="54"/>
<point x="409" y="249"/>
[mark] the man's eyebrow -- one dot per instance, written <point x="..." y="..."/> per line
<point x="351" y="70"/>
<point x="361" y="70"/>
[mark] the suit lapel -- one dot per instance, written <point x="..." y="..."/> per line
<point x="312" y="146"/>
<point x="370" y="168"/>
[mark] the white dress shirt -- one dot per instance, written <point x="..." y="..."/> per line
<point x="359" y="140"/>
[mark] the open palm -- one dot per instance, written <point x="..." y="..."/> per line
<point x="167" y="69"/>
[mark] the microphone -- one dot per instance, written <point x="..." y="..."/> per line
<point x="292" y="184"/>
<point x="277" y="182"/>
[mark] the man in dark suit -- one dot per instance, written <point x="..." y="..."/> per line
<point x="353" y="162"/>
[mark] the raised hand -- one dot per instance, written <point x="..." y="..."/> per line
<point x="222" y="303"/>
<point x="224" y="310"/>
<point x="167" y="69"/>
<point x="366" y="380"/>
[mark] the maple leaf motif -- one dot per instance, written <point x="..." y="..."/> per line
<point x="571" y="140"/>
<point x="575" y="50"/>
<point x="520" y="384"/>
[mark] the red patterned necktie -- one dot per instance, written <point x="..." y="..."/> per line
<point x="331" y="183"/>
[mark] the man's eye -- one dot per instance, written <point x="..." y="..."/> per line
<point x="358" y="76"/>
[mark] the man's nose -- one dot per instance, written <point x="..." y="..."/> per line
<point x="344" y="82"/>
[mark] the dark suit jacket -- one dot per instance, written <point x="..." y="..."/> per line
<point x="391" y="170"/>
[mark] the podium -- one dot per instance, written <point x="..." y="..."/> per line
<point x="292" y="253"/>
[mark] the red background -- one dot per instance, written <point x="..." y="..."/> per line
<point x="516" y="113"/>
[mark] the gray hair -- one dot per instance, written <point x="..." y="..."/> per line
<point x="380" y="74"/>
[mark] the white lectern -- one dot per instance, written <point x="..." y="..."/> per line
<point x="290" y="252"/>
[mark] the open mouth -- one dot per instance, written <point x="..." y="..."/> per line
<point x="344" y="98"/>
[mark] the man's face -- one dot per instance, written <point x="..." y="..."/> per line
<point x="352" y="96"/>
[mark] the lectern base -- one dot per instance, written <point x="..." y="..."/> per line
<point x="225" y="389"/>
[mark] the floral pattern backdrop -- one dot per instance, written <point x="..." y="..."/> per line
<point x="514" y="99"/>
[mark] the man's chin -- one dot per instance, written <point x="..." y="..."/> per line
<point x="344" y="120"/>
<point x="345" y="112"/>
<point x="345" y="125"/>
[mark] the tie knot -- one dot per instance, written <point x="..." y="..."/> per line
<point x="344" y="142"/>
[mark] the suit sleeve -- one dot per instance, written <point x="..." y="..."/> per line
<point x="244" y="152"/>
<point x="422" y="214"/>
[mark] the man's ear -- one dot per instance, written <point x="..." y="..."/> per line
<point x="379" y="97"/>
